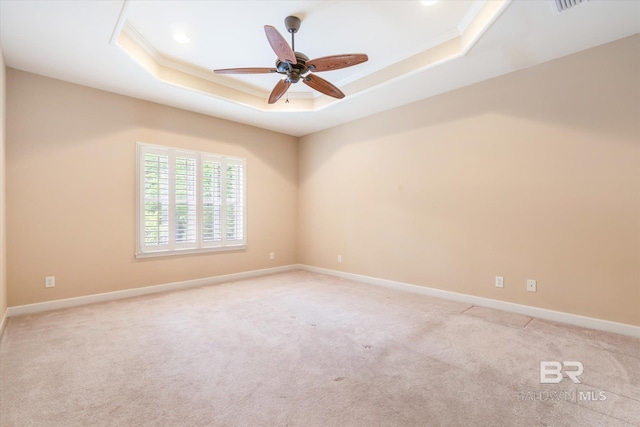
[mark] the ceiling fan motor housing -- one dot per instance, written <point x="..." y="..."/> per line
<point x="294" y="71"/>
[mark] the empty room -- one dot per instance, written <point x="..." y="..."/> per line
<point x="320" y="213"/>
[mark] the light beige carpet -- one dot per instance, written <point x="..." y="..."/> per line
<point x="302" y="349"/>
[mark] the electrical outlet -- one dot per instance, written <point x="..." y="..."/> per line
<point x="339" y="258"/>
<point x="499" y="282"/>
<point x="50" y="281"/>
<point x="272" y="255"/>
<point x="531" y="285"/>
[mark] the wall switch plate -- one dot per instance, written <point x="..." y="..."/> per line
<point x="531" y="285"/>
<point x="499" y="282"/>
<point x="50" y="281"/>
<point x="339" y="258"/>
<point x="272" y="255"/>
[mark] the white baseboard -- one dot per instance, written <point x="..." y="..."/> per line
<point x="3" y="321"/>
<point x="128" y="293"/>
<point x="541" y="313"/>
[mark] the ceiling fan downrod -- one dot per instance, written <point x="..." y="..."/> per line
<point x="292" y="24"/>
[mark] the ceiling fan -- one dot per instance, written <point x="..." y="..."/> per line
<point x="296" y="66"/>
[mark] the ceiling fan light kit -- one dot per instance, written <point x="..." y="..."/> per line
<point x="296" y="66"/>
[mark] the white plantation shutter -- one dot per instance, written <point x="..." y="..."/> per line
<point x="189" y="201"/>
<point x="234" y="201"/>
<point x="184" y="191"/>
<point x="211" y="202"/>
<point x="156" y="200"/>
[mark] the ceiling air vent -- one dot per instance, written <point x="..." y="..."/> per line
<point x="563" y="5"/>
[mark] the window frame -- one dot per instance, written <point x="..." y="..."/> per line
<point x="173" y="248"/>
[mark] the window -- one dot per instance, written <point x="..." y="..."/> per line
<point x="189" y="201"/>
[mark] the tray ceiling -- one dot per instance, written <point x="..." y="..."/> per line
<point x="415" y="51"/>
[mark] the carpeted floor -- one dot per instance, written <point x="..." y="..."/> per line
<point x="303" y="349"/>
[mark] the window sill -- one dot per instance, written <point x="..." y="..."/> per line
<point x="180" y="252"/>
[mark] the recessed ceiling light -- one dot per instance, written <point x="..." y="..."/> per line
<point x="181" y="38"/>
<point x="429" y="2"/>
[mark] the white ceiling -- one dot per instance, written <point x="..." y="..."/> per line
<point x="415" y="51"/>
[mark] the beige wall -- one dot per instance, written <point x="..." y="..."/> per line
<point x="532" y="175"/>
<point x="3" y="246"/>
<point x="71" y="190"/>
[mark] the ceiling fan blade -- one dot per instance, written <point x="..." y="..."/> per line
<point x="245" y="71"/>
<point x="321" y="85"/>
<point x="279" y="45"/>
<point x="335" y="62"/>
<point x="279" y="90"/>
